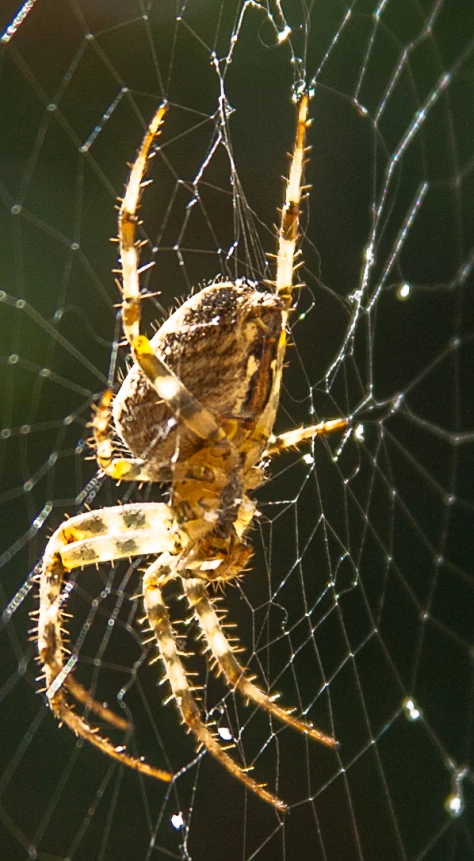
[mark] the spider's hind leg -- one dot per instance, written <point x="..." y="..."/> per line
<point x="196" y="593"/>
<point x="160" y="624"/>
<point x="92" y="537"/>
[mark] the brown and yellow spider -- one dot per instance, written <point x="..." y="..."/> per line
<point x="196" y="410"/>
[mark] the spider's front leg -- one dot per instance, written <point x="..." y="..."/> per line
<point x="292" y="439"/>
<point x="166" y="383"/>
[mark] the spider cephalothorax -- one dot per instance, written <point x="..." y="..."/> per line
<point x="196" y="410"/>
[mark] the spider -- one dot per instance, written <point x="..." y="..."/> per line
<point x="196" y="410"/>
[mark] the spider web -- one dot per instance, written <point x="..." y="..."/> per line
<point x="358" y="606"/>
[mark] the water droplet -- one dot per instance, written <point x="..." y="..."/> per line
<point x="177" y="821"/>
<point x="412" y="712"/>
<point x="224" y="733"/>
<point x="404" y="291"/>
<point x="454" y="804"/>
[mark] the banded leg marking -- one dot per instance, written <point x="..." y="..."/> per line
<point x="73" y="545"/>
<point x="127" y="230"/>
<point x="160" y="623"/>
<point x="168" y="386"/>
<point x="288" y="232"/>
<point x="119" y="468"/>
<point x="179" y="399"/>
<point x="112" y="533"/>
<point x="293" y="438"/>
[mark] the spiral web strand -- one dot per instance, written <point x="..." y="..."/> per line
<point x="357" y="606"/>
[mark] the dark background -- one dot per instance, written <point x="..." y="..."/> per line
<point x="360" y="594"/>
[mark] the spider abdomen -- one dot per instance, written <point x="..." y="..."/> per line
<point x="221" y="343"/>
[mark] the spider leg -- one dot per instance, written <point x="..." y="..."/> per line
<point x="83" y="729"/>
<point x="114" y="533"/>
<point x="287" y="241"/>
<point x="293" y="438"/>
<point x="160" y="623"/>
<point x="288" y="232"/>
<point x="168" y="386"/>
<point x="198" y="598"/>
<point x="130" y="468"/>
<point x="117" y="532"/>
<point x="119" y="468"/>
<point x="179" y="399"/>
<point x="81" y="695"/>
<point x="127" y="224"/>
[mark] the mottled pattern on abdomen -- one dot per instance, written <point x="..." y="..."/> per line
<point x="221" y="343"/>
